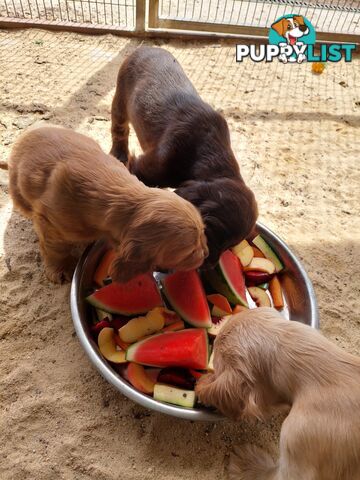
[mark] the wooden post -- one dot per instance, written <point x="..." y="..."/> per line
<point x="140" y="16"/>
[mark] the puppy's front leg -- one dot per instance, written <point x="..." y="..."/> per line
<point x="58" y="262"/>
<point x="119" y="130"/>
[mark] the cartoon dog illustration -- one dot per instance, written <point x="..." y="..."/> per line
<point x="292" y="29"/>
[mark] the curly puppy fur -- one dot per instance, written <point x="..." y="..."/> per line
<point x="263" y="363"/>
<point x="75" y="193"/>
<point x="186" y="145"/>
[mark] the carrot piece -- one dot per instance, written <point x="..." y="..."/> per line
<point x="258" y="253"/>
<point x="276" y="292"/>
<point x="220" y="301"/>
<point x="239" y="308"/>
<point x="102" y="270"/>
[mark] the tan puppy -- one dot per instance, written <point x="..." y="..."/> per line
<point x="75" y="193"/>
<point x="263" y="362"/>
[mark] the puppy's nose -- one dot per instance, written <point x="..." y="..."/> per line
<point x="303" y="28"/>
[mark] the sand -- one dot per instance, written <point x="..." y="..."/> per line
<point x="297" y="139"/>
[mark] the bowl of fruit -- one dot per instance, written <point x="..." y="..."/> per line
<point x="152" y="337"/>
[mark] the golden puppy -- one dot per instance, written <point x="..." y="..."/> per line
<point x="76" y="193"/>
<point x="263" y="362"/>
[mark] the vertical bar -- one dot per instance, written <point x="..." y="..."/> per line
<point x="153" y="13"/>
<point x="140" y="15"/>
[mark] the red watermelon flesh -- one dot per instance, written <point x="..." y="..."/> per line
<point x="232" y="272"/>
<point x="186" y="294"/>
<point x="185" y="348"/>
<point x="139" y="295"/>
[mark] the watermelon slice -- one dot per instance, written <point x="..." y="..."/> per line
<point x="186" y="294"/>
<point x="228" y="279"/>
<point x="185" y="348"/>
<point x="139" y="295"/>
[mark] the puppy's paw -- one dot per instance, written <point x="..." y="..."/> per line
<point x="249" y="462"/>
<point x="61" y="273"/>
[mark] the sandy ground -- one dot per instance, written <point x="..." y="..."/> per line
<point x="297" y="139"/>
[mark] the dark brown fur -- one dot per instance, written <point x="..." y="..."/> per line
<point x="186" y="145"/>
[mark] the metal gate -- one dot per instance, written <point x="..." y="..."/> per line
<point x="334" y="20"/>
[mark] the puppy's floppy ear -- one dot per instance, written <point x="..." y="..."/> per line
<point x="299" y="19"/>
<point x="280" y="26"/>
<point x="129" y="263"/>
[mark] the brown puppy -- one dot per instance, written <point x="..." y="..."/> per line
<point x="186" y="145"/>
<point x="263" y="362"/>
<point x="75" y="193"/>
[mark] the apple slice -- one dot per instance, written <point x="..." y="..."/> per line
<point x="268" y="252"/>
<point x="168" y="316"/>
<point x="210" y="366"/>
<point x="254" y="278"/>
<point x="140" y="327"/>
<point x="139" y="379"/>
<point x="215" y="328"/>
<point x="123" y="345"/>
<point x="261" y="265"/>
<point x="276" y="293"/>
<point x="108" y="347"/>
<point x="259" y="296"/>
<point x="244" y="252"/>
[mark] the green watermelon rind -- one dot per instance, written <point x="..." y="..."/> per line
<point x="131" y="351"/>
<point x="218" y="282"/>
<point x="236" y="294"/>
<point x="179" y="311"/>
<point x="269" y="252"/>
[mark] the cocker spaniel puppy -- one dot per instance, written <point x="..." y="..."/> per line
<point x="186" y="145"/>
<point x="75" y="193"/>
<point x="263" y="363"/>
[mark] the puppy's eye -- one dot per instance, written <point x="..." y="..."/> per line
<point x="289" y="27"/>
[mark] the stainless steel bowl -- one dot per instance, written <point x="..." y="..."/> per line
<point x="300" y="305"/>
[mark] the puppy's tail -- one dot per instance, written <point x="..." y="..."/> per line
<point x="249" y="462"/>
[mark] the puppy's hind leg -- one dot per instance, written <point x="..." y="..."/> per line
<point x="249" y="462"/>
<point x="119" y="129"/>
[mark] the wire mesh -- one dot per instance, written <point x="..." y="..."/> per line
<point x="119" y="13"/>
<point x="336" y="16"/>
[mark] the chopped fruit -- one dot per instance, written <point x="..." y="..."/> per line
<point x="239" y="308"/>
<point x="220" y="301"/>
<point x="276" y="292"/>
<point x="177" y="376"/>
<point x="123" y="345"/>
<point x="153" y="373"/>
<point x="185" y="348"/>
<point x="139" y="379"/>
<point x="108" y="347"/>
<point x="174" y="395"/>
<point x="101" y="315"/>
<point x="254" y="278"/>
<point x="261" y="265"/>
<point x="264" y="286"/>
<point x="210" y="366"/>
<point x="258" y="253"/>
<point x="96" y="329"/>
<point x="196" y="374"/>
<point x="139" y="295"/>
<point x="119" y="321"/>
<point x="173" y="327"/>
<point x="186" y="294"/>
<point x="103" y="268"/>
<point x="259" y="296"/>
<point x="215" y="328"/>
<point x="140" y="327"/>
<point x="217" y="312"/>
<point x="168" y="316"/>
<point x="244" y="252"/>
<point x="268" y="252"/>
<point x="228" y="278"/>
